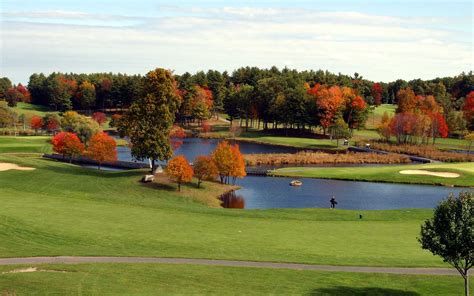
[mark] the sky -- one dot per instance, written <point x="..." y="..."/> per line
<point x="381" y="40"/>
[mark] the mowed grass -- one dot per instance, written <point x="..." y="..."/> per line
<point x="30" y="110"/>
<point x="26" y="144"/>
<point x="389" y="173"/>
<point x="61" y="209"/>
<point x="164" y="279"/>
<point x="308" y="143"/>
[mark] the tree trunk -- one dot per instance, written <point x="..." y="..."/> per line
<point x="153" y="166"/>
<point x="179" y="186"/>
<point x="466" y="284"/>
<point x="199" y="183"/>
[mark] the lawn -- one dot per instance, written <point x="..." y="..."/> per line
<point x="61" y="209"/>
<point x="375" y="117"/>
<point x="307" y="143"/>
<point x="164" y="279"/>
<point x="26" y="144"/>
<point x="388" y="173"/>
<point x="29" y="110"/>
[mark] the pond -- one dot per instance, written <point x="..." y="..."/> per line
<point x="275" y="192"/>
<point x="193" y="147"/>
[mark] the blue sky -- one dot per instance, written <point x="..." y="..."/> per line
<point x="382" y="40"/>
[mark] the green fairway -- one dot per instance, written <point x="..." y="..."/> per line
<point x="389" y="173"/>
<point x="29" y="109"/>
<point x="308" y="143"/>
<point x="27" y="144"/>
<point x="60" y="209"/>
<point x="163" y="279"/>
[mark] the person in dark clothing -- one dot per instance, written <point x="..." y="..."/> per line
<point x="333" y="202"/>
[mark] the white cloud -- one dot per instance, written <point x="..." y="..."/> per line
<point x="379" y="47"/>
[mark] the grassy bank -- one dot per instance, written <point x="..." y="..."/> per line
<point x="389" y="174"/>
<point x="163" y="279"/>
<point x="60" y="209"/>
<point x="27" y="144"/>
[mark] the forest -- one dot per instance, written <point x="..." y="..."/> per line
<point x="271" y="98"/>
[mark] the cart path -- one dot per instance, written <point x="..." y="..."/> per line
<point x="233" y="263"/>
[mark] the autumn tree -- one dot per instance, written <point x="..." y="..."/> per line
<point x="67" y="144"/>
<point x="99" y="117"/>
<point x="469" y="137"/>
<point x="85" y="96"/>
<point x="51" y="122"/>
<point x="204" y="168"/>
<point x="468" y="109"/>
<point x="206" y="127"/>
<point x="238" y="164"/>
<point x="229" y="162"/>
<point x="102" y="148"/>
<point x="13" y="96"/>
<point x="338" y="130"/>
<point x="179" y="170"/>
<point x="150" y="118"/>
<point x="407" y="100"/>
<point x="81" y="125"/>
<point x="438" y="127"/>
<point x="36" y="123"/>
<point x="450" y="233"/>
<point x="329" y="101"/>
<point x="60" y="90"/>
<point x="384" y="127"/>
<point x="377" y="93"/>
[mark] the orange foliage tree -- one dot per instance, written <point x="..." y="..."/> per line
<point x="229" y="162"/>
<point x="102" y="148"/>
<point x="36" y="123"/>
<point x="329" y="101"/>
<point x="179" y="170"/>
<point x="67" y="144"/>
<point x="204" y="168"/>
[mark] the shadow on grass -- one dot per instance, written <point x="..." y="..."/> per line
<point x="83" y="171"/>
<point x="367" y="291"/>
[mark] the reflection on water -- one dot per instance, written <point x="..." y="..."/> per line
<point x="231" y="200"/>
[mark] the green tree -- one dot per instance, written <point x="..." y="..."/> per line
<point x="150" y="118"/>
<point x="5" y="84"/>
<point x="339" y="129"/>
<point x="85" y="127"/>
<point x="450" y="233"/>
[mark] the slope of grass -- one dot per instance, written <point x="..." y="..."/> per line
<point x="27" y="144"/>
<point x="388" y="174"/>
<point x="60" y="209"/>
<point x="29" y="109"/>
<point x="163" y="279"/>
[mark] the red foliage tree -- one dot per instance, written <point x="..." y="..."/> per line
<point x="24" y="91"/>
<point x="468" y="107"/>
<point x="52" y="123"/>
<point x="99" y="117"/>
<point x="36" y="123"/>
<point x="101" y="148"/>
<point x="377" y="93"/>
<point x="439" y="128"/>
<point x="67" y="144"/>
<point x="329" y="101"/>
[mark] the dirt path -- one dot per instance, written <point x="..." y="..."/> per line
<point x="295" y="266"/>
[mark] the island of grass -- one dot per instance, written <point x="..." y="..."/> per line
<point x="388" y="173"/>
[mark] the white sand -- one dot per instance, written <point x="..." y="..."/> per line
<point x="11" y="166"/>
<point x="428" y="173"/>
<point x="31" y="269"/>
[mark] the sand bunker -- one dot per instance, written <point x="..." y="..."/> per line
<point x="428" y="173"/>
<point x="11" y="166"/>
<point x="31" y="269"/>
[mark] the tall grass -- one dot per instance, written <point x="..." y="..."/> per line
<point x="306" y="157"/>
